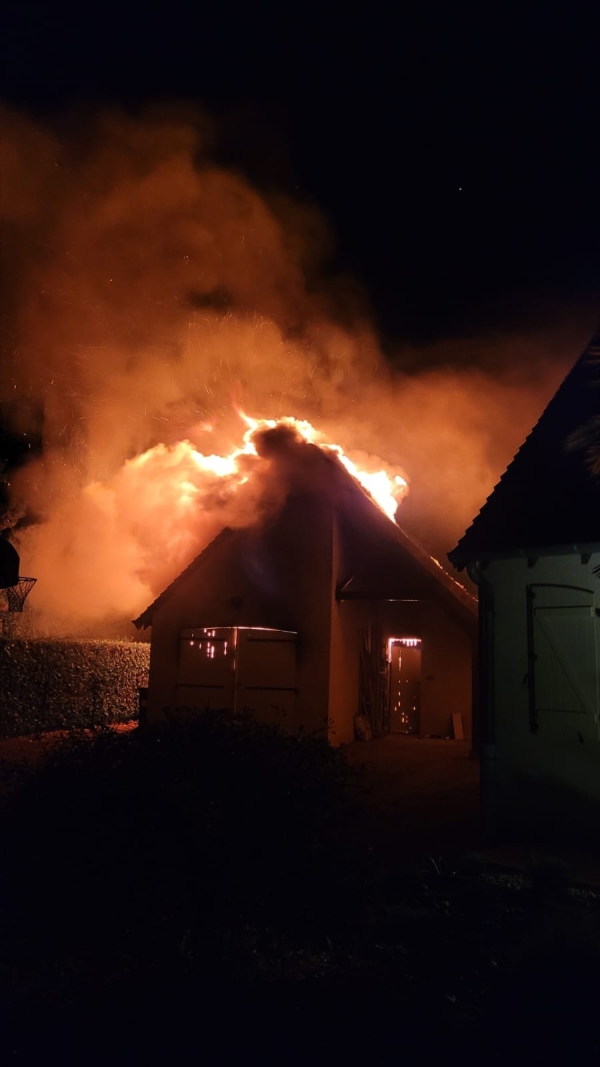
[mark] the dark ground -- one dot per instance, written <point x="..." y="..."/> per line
<point x="425" y="796"/>
<point x="456" y="952"/>
<point x="410" y="781"/>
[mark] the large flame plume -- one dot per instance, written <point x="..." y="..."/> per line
<point x="153" y="294"/>
<point x="147" y="521"/>
<point x="386" y="489"/>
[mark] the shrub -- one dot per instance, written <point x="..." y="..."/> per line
<point x="55" y="685"/>
<point x="189" y="845"/>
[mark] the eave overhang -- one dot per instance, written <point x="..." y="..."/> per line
<point x="460" y="560"/>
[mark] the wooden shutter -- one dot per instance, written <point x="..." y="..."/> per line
<point x="563" y="640"/>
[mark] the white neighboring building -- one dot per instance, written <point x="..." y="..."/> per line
<point x="534" y="552"/>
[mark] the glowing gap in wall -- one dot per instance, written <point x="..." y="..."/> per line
<point x="407" y="642"/>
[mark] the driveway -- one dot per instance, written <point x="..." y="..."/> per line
<point x="424" y="793"/>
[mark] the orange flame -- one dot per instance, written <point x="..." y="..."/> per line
<point x="386" y="489"/>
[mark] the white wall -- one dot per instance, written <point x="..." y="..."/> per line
<point x="551" y="775"/>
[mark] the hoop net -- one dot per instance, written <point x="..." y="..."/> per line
<point x="16" y="595"/>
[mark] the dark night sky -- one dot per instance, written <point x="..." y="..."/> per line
<point x="454" y="148"/>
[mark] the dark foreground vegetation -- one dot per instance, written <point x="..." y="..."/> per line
<point x="215" y="891"/>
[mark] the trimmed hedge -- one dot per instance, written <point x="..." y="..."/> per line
<point x="57" y="685"/>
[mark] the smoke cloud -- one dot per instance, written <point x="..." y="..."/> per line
<point x="150" y="294"/>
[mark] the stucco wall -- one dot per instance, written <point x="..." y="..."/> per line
<point x="282" y="580"/>
<point x="446" y="680"/>
<point x="447" y="673"/>
<point x="204" y="600"/>
<point x="538" y="779"/>
<point x="348" y="618"/>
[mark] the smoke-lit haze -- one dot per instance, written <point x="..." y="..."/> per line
<point x="149" y="294"/>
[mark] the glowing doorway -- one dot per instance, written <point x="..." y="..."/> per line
<point x="404" y="655"/>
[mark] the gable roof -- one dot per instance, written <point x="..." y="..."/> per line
<point x="145" y="619"/>
<point x="381" y="560"/>
<point x="548" y="499"/>
<point x="384" y="563"/>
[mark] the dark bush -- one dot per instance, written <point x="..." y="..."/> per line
<point x="196" y="845"/>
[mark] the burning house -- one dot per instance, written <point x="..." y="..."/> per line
<point x="534" y="550"/>
<point x="321" y="612"/>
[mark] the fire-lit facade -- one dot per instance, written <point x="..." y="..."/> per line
<point x="295" y="619"/>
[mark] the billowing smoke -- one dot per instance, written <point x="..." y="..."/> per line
<point x="150" y="294"/>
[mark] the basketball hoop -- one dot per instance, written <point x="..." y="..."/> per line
<point x="16" y="595"/>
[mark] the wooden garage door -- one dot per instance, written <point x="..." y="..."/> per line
<point x="266" y="674"/>
<point x="207" y="668"/>
<point x="239" y="668"/>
